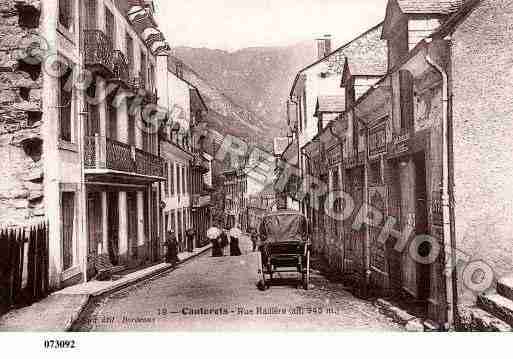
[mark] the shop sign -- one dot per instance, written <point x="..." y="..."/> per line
<point x="334" y="156"/>
<point x="401" y="143"/>
<point x="378" y="140"/>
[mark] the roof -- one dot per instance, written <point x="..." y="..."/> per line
<point x="457" y="18"/>
<point x="331" y="104"/>
<point x="197" y="99"/>
<point x="284" y="212"/>
<point x="368" y="45"/>
<point x="444" y="7"/>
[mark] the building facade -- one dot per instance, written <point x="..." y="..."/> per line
<point x="413" y="171"/>
<point x="82" y="155"/>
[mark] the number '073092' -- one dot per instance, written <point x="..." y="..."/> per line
<point x="59" y="344"/>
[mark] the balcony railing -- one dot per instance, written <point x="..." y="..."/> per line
<point x="120" y="71"/>
<point x="98" y="51"/>
<point x="102" y="153"/>
<point x="199" y="201"/>
<point x="200" y="163"/>
<point x="136" y="83"/>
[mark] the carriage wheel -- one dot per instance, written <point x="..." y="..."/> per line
<point x="306" y="272"/>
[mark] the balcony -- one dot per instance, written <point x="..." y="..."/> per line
<point x="199" y="201"/>
<point x="111" y="161"/>
<point x="136" y="83"/>
<point x="199" y="163"/>
<point x="98" y="52"/>
<point x="120" y="71"/>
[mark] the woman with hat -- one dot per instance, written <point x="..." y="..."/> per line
<point x="172" y="248"/>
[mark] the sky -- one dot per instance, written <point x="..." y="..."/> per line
<point x="235" y="24"/>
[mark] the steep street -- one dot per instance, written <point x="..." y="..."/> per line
<point x="220" y="294"/>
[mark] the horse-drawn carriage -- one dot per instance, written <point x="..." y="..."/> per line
<point x="284" y="247"/>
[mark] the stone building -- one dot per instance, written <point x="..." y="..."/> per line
<point x="75" y="77"/>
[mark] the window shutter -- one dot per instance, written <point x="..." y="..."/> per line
<point x="407" y="109"/>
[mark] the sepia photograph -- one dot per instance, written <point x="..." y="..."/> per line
<point x="279" y="166"/>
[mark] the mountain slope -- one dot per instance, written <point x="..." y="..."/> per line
<point x="226" y="116"/>
<point x="258" y="79"/>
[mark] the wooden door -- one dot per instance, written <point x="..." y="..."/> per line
<point x="68" y="219"/>
<point x="95" y="229"/>
<point x="394" y="257"/>
<point x="132" y="224"/>
<point x="113" y="226"/>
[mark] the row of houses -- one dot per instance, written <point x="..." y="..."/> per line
<point x="400" y="156"/>
<point x="100" y="135"/>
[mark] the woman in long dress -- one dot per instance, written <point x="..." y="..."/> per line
<point x="234" y="243"/>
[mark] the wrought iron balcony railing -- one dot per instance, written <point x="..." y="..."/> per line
<point x="120" y="70"/>
<point x="98" y="51"/>
<point x="102" y="153"/>
<point x="136" y="83"/>
<point x="200" y="163"/>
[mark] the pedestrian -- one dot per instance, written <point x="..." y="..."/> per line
<point x="172" y="248"/>
<point x="254" y="238"/>
<point x="224" y="239"/>
<point x="216" y="248"/>
<point x="189" y="234"/>
<point x="234" y="242"/>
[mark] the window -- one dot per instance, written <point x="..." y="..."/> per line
<point x="110" y="26"/>
<point x="144" y="69"/>
<point x="68" y="220"/>
<point x="184" y="188"/>
<point x="178" y="190"/>
<point x="91" y="15"/>
<point x="130" y="53"/>
<point x="166" y="183"/>
<point x="131" y="130"/>
<point x="172" y="178"/>
<point x="93" y="113"/>
<point x="407" y="108"/>
<point x="65" y="102"/>
<point x="66" y="15"/>
<point x="113" y="121"/>
<point x="152" y="77"/>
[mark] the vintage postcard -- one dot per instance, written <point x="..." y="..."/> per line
<point x="272" y="166"/>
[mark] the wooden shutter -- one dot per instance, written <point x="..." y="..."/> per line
<point x="93" y="114"/>
<point x="110" y="27"/>
<point x="172" y="178"/>
<point x="65" y="102"/>
<point x="178" y="183"/>
<point x="407" y="109"/>
<point x="91" y="14"/>
<point x="113" y="122"/>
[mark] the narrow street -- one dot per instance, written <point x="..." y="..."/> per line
<point x="210" y="294"/>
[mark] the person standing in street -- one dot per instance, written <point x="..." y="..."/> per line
<point x="172" y="248"/>
<point x="189" y="234"/>
<point x="235" y="234"/>
<point x="254" y="239"/>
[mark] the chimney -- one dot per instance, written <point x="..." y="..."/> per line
<point x="324" y="46"/>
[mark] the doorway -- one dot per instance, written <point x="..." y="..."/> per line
<point x="95" y="229"/>
<point x="422" y="227"/>
<point x="132" y="224"/>
<point x="113" y="226"/>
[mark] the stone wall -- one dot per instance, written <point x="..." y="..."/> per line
<point x="21" y="182"/>
<point x="482" y="126"/>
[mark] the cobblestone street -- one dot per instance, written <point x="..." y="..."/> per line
<point x="220" y="294"/>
